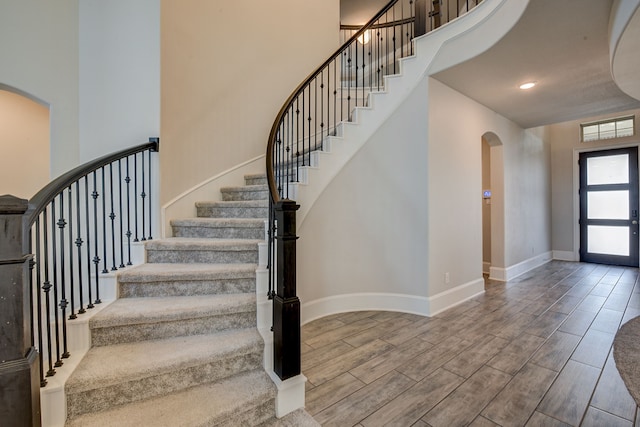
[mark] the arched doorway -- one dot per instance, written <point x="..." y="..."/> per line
<point x="24" y="142"/>
<point x="492" y="206"/>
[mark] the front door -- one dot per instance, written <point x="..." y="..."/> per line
<point x="609" y="207"/>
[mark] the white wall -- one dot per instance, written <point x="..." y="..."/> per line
<point x="24" y="144"/>
<point x="400" y="227"/>
<point x="227" y="68"/>
<point x="39" y="51"/>
<point x="565" y="146"/>
<point x="367" y="233"/>
<point x="522" y="200"/>
<point x="119" y="74"/>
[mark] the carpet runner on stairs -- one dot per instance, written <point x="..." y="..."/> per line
<point x="180" y="347"/>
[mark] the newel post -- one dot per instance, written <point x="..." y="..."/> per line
<point x="19" y="374"/>
<point x="286" y="305"/>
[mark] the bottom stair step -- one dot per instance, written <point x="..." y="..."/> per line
<point x="246" y="399"/>
<point x="124" y="373"/>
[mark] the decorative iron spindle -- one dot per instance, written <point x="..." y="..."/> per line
<point x="54" y="246"/>
<point x="46" y="288"/>
<point x="38" y="308"/>
<point x="63" y="284"/>
<point x="128" y="233"/>
<point x="89" y="259"/>
<point x="142" y="196"/>
<point x="112" y="217"/>
<point x="60" y="274"/>
<point x="78" y="243"/>
<point x="96" y="258"/>
<point x="121" y="217"/>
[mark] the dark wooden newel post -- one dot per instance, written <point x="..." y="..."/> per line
<point x="286" y="305"/>
<point x="19" y="375"/>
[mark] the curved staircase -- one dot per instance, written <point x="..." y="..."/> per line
<point x="181" y="346"/>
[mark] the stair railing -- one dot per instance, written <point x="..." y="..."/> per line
<point x="54" y="249"/>
<point x="312" y="113"/>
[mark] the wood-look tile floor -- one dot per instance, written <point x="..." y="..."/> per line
<point x="535" y="351"/>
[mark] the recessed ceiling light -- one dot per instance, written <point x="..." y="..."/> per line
<point x="527" y="85"/>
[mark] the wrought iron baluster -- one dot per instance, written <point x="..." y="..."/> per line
<point x="79" y="243"/>
<point x="149" y="199"/>
<point x="89" y="259"/>
<point x="96" y="258"/>
<point x="104" y="223"/>
<point x="54" y="257"/>
<point x="135" y="199"/>
<point x="112" y="217"/>
<point x="38" y="242"/>
<point x="63" y="300"/>
<point x="71" y="263"/>
<point x="128" y="234"/>
<point x="120" y="238"/>
<point x="143" y="195"/>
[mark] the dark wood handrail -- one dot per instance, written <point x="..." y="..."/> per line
<point x="273" y="190"/>
<point x="43" y="197"/>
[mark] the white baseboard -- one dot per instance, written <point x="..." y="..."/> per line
<point x="363" y="302"/>
<point x="565" y="256"/>
<point x="509" y="273"/>
<point x="423" y="306"/>
<point x="452" y="297"/>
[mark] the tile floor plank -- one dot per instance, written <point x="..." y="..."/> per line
<point x="597" y="418"/>
<point x="332" y="391"/>
<point x="555" y="352"/>
<point x="568" y="397"/>
<point x="513" y="357"/>
<point x="518" y="400"/>
<point x="357" y="406"/>
<point x="464" y="404"/>
<point x="611" y="394"/>
<point x="411" y="405"/>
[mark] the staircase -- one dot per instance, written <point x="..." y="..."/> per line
<point x="181" y="347"/>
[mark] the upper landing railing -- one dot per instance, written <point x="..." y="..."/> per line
<point x="310" y="114"/>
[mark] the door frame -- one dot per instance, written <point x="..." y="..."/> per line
<point x="576" y="186"/>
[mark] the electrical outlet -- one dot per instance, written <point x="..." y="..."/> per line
<point x="446" y="278"/>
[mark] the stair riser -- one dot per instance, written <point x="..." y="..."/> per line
<point x="187" y="287"/>
<point x="222" y="212"/>
<point x="229" y="196"/>
<point x="158" y="330"/>
<point x="255" y="416"/>
<point x="203" y="256"/>
<point x="255" y="180"/>
<point x="108" y="396"/>
<point x="219" y="232"/>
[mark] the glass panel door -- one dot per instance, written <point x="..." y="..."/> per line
<point x="609" y="207"/>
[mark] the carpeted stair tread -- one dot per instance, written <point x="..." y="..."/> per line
<point x="167" y="271"/>
<point x="219" y="222"/>
<point x="195" y="244"/>
<point x="239" y="400"/>
<point x="196" y="250"/>
<point x="174" y="279"/>
<point x="128" y="311"/>
<point x="217" y="228"/>
<point x="297" y="418"/>
<point x="109" y="365"/>
<point x="246" y="192"/>
<point x="233" y="209"/>
<point x="236" y="204"/>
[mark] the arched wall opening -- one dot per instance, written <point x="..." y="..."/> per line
<point x="492" y="204"/>
<point x="25" y="164"/>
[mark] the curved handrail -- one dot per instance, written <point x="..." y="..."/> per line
<point x="43" y="197"/>
<point x="273" y="190"/>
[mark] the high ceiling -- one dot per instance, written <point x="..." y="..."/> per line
<point x="564" y="47"/>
